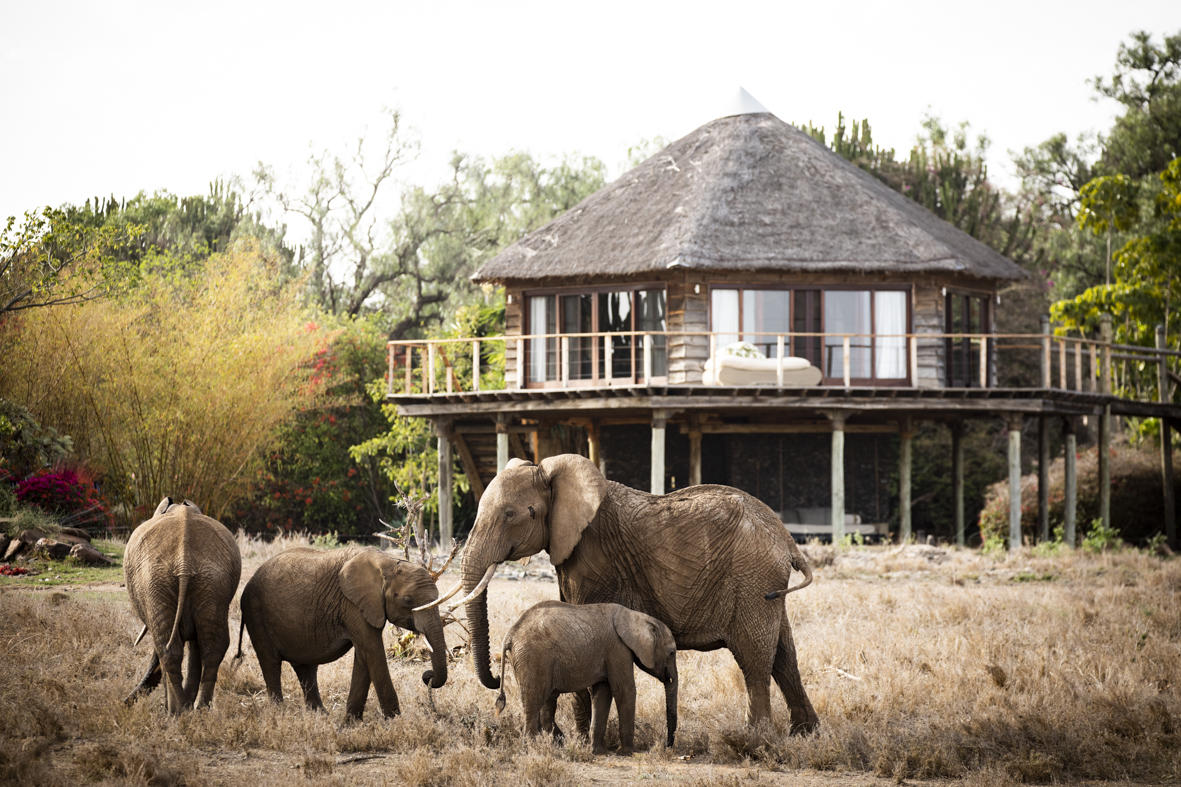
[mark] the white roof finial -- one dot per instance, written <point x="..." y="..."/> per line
<point x="743" y="103"/>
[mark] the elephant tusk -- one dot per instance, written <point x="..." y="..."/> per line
<point x="142" y="631"/>
<point x="479" y="588"/>
<point x="442" y="598"/>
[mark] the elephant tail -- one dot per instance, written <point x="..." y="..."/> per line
<point x="500" y="700"/>
<point x="800" y="563"/>
<point x="181" y="599"/>
<point x="241" y="625"/>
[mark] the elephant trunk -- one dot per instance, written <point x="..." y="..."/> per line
<point x="670" y="704"/>
<point x="474" y="568"/>
<point x="431" y="626"/>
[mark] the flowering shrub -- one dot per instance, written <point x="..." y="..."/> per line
<point x="67" y="492"/>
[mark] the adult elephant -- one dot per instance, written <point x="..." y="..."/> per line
<point x="711" y="562"/>
<point x="310" y="606"/>
<point x="182" y="569"/>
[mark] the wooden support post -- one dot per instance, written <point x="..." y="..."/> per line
<point x="470" y="468"/>
<point x="838" y="475"/>
<point x="659" y="424"/>
<point x="1070" y="481"/>
<point x="501" y="442"/>
<point x="1043" y="478"/>
<point x="957" y="479"/>
<point x="1166" y="441"/>
<point x="845" y="357"/>
<point x="694" y="450"/>
<point x="906" y="441"/>
<point x="1105" y="426"/>
<point x="443" y="429"/>
<point x="1014" y="424"/>
<point x="593" y="447"/>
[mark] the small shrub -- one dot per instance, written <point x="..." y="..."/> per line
<point x="1101" y="539"/>
<point x="68" y="492"/>
<point x="327" y="540"/>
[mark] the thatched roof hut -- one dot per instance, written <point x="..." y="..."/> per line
<point x="745" y="193"/>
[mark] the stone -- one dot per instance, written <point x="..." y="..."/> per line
<point x="54" y="550"/>
<point x="87" y="554"/>
<point x="74" y="532"/>
<point x="15" y="547"/>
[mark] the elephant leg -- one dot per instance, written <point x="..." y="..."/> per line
<point x="549" y="709"/>
<point x="754" y="651"/>
<point x="358" y="688"/>
<point x="272" y="671"/>
<point x="786" y="672"/>
<point x="170" y="662"/>
<point x="149" y="681"/>
<point x="601" y="692"/>
<point x="192" y="679"/>
<point x="582" y="711"/>
<point x="623" y="690"/>
<point x="310" y="683"/>
<point x="214" y="641"/>
<point x="379" y="675"/>
<point x="531" y="704"/>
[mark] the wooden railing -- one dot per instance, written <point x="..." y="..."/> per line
<point x="430" y="366"/>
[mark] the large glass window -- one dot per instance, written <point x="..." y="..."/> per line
<point x="965" y="314"/>
<point x="617" y="356"/>
<point x="875" y="320"/>
<point x="847" y="312"/>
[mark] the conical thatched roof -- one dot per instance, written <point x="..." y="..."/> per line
<point x="745" y="193"/>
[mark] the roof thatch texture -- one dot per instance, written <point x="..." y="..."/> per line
<point x="745" y="193"/>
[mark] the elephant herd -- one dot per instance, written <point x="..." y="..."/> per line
<point x="639" y="576"/>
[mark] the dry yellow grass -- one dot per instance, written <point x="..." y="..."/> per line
<point x="926" y="664"/>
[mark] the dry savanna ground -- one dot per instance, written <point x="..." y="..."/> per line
<point x="924" y="664"/>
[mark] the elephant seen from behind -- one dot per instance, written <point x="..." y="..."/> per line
<point x="182" y="570"/>
<point x="309" y="607"/>
<point x="711" y="562"/>
<point x="557" y="648"/>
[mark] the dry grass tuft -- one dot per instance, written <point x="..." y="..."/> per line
<point x="922" y="666"/>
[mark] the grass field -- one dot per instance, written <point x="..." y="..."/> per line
<point x="924" y="664"/>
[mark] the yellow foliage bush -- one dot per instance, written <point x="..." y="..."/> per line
<point x="174" y="388"/>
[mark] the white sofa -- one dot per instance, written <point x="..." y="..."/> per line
<point x="741" y="364"/>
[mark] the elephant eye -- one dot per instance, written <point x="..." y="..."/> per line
<point x="532" y="513"/>
<point x="509" y="513"/>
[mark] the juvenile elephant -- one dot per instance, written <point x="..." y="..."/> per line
<point x="559" y="648"/>
<point x="182" y="569"/>
<point x="711" y="562"/>
<point x="309" y="606"/>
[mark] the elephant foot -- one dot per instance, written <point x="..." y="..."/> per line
<point x="807" y="727"/>
<point x="625" y="751"/>
<point x="598" y="748"/>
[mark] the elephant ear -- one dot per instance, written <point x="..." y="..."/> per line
<point x="577" y="489"/>
<point x="361" y="582"/>
<point x="516" y="461"/>
<point x="160" y="509"/>
<point x="638" y="633"/>
<point x="192" y="505"/>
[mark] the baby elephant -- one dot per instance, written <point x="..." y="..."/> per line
<point x="310" y="606"/>
<point x="558" y="648"/>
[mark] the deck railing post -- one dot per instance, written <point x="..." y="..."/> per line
<point x="409" y="369"/>
<point x="647" y="339"/>
<point x="713" y="357"/>
<point x="912" y="343"/>
<point x="390" y="387"/>
<point x="1093" y="376"/>
<point x="521" y="363"/>
<point x="1078" y="366"/>
<point x="608" y="357"/>
<point x="564" y="376"/>
<point x="1046" y="380"/>
<point x="1105" y="425"/>
<point x="476" y="365"/>
<point x="983" y="361"/>
<point x="429" y="387"/>
<point x="1062" y="365"/>
<point x="845" y="354"/>
<point x="779" y="360"/>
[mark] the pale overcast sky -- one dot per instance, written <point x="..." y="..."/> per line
<point x="118" y="97"/>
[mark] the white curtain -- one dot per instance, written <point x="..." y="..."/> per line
<point x="889" y="325"/>
<point x="847" y="311"/>
<point x="724" y="316"/>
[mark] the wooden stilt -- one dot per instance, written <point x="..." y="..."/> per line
<point x="694" y="451"/>
<point x="906" y="440"/>
<point x="1014" y="423"/>
<point x="659" y="424"/>
<point x="957" y="478"/>
<point x="838" y="475"/>
<point x="1166" y="443"/>
<point x="443" y="429"/>
<point x="501" y="442"/>
<point x="1070" y="481"/>
<point x="1043" y="478"/>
